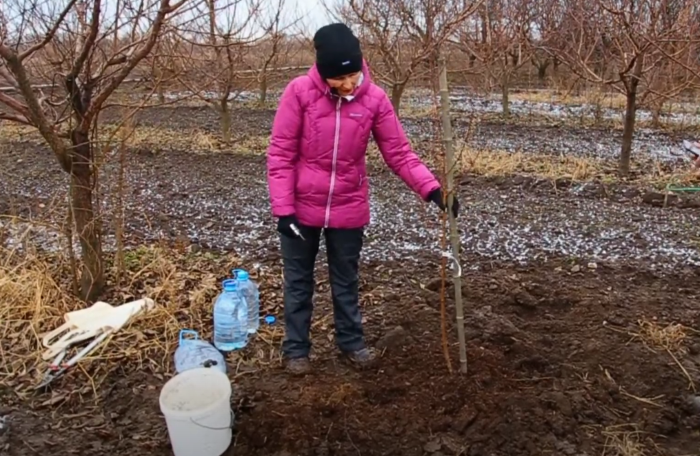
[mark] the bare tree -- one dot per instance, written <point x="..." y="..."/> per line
<point x="161" y="72"/>
<point x="91" y="52"/>
<point x="274" y="49"/>
<point x="217" y="38"/>
<point x="547" y="18"/>
<point x="620" y="43"/>
<point x="499" y="42"/>
<point x="402" y="36"/>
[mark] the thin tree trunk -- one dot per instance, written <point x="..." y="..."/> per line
<point x="119" y="216"/>
<point x="71" y="251"/>
<point x="656" y="111"/>
<point x="396" y="94"/>
<point x="263" y="90"/>
<point x="225" y="121"/>
<point x="86" y="224"/>
<point x="161" y="93"/>
<point x="450" y="165"/>
<point x="630" y="116"/>
<point x="542" y="72"/>
<point x="505" y="95"/>
<point x="628" y="132"/>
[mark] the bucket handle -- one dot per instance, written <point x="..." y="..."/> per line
<point x="230" y="426"/>
<point x="191" y="332"/>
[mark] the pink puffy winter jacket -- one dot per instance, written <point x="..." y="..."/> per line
<point x="316" y="162"/>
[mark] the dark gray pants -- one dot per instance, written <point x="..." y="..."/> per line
<point x="343" y="248"/>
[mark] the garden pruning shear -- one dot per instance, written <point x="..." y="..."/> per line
<point x="58" y="367"/>
<point x="297" y="231"/>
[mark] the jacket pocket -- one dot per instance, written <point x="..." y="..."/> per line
<point x="304" y="182"/>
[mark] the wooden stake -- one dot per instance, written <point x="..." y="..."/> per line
<point x="450" y="165"/>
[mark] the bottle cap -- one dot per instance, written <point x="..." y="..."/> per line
<point x="230" y="285"/>
<point x="241" y="274"/>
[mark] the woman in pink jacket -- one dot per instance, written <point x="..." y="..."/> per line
<point x="318" y="183"/>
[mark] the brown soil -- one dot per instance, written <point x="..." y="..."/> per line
<point x="558" y="360"/>
<point x="554" y="368"/>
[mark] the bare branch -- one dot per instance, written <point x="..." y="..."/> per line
<point x="51" y="33"/>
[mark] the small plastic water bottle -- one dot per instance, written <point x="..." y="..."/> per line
<point x="249" y="290"/>
<point x="230" y="318"/>
<point x="192" y="353"/>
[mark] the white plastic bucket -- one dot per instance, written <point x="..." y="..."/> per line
<point x="197" y="409"/>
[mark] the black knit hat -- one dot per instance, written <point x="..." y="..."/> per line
<point x="338" y="51"/>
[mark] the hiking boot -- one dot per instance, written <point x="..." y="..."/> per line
<point x="298" y="366"/>
<point x="362" y="359"/>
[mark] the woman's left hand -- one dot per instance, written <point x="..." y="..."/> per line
<point x="436" y="197"/>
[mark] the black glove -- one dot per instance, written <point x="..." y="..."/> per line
<point x="284" y="226"/>
<point x="436" y="197"/>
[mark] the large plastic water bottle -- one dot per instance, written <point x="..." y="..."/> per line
<point x="249" y="290"/>
<point x="230" y="318"/>
<point x="192" y="353"/>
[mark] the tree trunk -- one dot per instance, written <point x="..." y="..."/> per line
<point x="630" y="115"/>
<point x="542" y="72"/>
<point x="505" y="98"/>
<point x="515" y="59"/>
<point x="161" y="94"/>
<point x="263" y="90"/>
<point x="396" y="94"/>
<point x="87" y="226"/>
<point x="451" y="164"/>
<point x="656" y="111"/>
<point x="225" y="121"/>
<point x="628" y="132"/>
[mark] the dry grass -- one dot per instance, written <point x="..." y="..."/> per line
<point x="479" y="162"/>
<point x="157" y="139"/>
<point x="34" y="296"/>
<point x="594" y="97"/>
<point x="624" y="440"/>
<point x="196" y="141"/>
<point x="502" y="163"/>
<point x="412" y="111"/>
<point x="612" y="100"/>
<point x="671" y="339"/>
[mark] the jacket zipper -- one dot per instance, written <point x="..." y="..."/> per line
<point x="335" y="159"/>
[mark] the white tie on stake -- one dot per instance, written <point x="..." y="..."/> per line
<point x="455" y="262"/>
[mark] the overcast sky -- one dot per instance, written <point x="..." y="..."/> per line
<point x="42" y="12"/>
<point x="313" y="10"/>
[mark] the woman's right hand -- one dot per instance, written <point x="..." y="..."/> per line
<point x="289" y="226"/>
